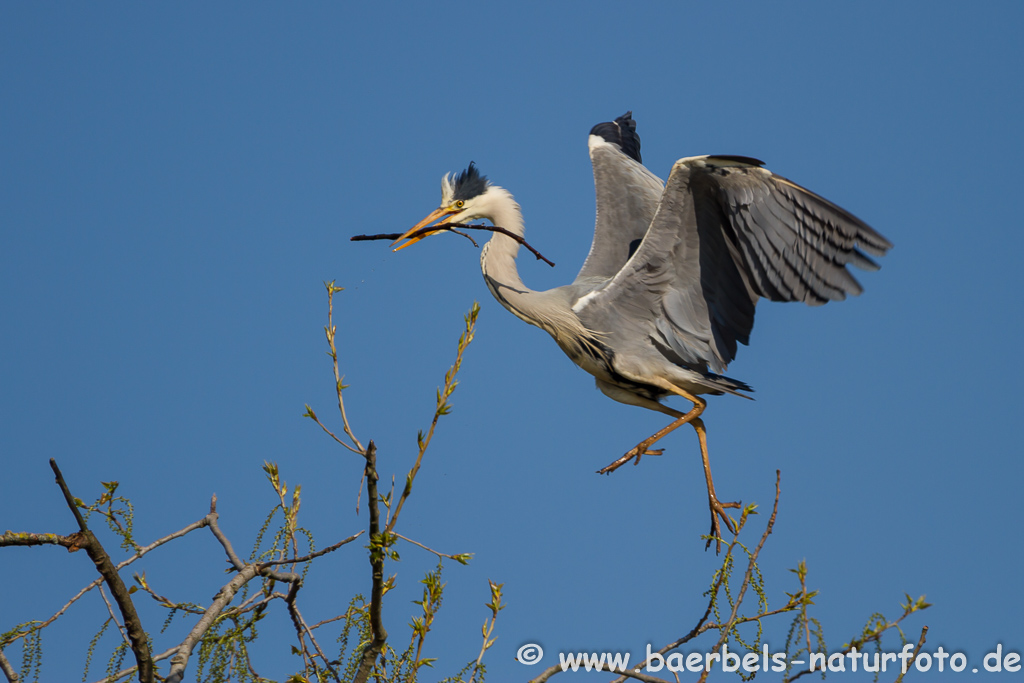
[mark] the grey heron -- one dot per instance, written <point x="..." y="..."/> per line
<point x="673" y="274"/>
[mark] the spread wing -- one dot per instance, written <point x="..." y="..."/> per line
<point x="627" y="198"/>
<point x="725" y="233"/>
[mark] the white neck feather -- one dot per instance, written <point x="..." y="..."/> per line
<point x="550" y="310"/>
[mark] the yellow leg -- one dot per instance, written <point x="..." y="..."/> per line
<point x="643" y="447"/>
<point x="717" y="507"/>
<point x="693" y="417"/>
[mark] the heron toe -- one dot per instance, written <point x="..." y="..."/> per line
<point x="718" y="510"/>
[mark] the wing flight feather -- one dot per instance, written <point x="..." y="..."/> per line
<point x="725" y="233"/>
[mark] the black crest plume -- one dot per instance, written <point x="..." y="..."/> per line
<point x="469" y="183"/>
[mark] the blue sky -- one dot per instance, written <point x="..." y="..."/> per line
<point x="178" y="181"/>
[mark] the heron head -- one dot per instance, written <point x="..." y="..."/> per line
<point x="460" y="201"/>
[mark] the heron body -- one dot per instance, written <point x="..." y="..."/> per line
<point x="674" y="271"/>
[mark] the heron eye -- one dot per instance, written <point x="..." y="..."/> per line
<point x="459" y="204"/>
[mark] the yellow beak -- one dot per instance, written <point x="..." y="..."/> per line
<point x="436" y="215"/>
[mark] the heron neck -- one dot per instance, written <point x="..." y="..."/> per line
<point x="498" y="261"/>
<point x="549" y="310"/>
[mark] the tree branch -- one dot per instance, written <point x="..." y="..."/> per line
<point x="106" y="568"/>
<point x="442" y="408"/>
<point x="246" y="572"/>
<point x="132" y="669"/>
<point x="702" y="623"/>
<point x="917" y="651"/>
<point x="9" y="672"/>
<point x="301" y="627"/>
<point x="11" y="538"/>
<point x="142" y="551"/>
<point x="378" y="636"/>
<point x="635" y="674"/>
<point x="311" y="556"/>
<point x="224" y="596"/>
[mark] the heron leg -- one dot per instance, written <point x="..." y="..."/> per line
<point x="693" y="417"/>
<point x="643" y="448"/>
<point x="717" y="507"/>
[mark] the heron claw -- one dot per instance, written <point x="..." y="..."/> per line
<point x="718" y="510"/>
<point x="633" y="454"/>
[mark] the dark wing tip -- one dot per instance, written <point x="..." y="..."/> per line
<point x="468" y="184"/>
<point x="621" y="132"/>
<point x="750" y="161"/>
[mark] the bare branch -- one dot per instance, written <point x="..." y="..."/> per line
<point x="311" y="556"/>
<point x="106" y="568"/>
<point x="917" y="650"/>
<point x="702" y="624"/>
<point x="142" y="551"/>
<point x="875" y="635"/>
<point x="310" y="414"/>
<point x="132" y="669"/>
<point x="232" y="556"/>
<point x="246" y="572"/>
<point x="635" y="674"/>
<point x="9" y="672"/>
<point x="461" y="559"/>
<point x="442" y="408"/>
<point x="331" y="330"/>
<point x="301" y="627"/>
<point x="11" y="538"/>
<point x="726" y="628"/>
<point x="110" y="611"/>
<point x="184" y="651"/>
<point x="450" y="227"/>
<point x="378" y="635"/>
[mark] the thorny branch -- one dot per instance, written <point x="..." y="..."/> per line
<point x="450" y="227"/>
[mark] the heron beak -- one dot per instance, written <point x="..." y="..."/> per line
<point x="436" y="215"/>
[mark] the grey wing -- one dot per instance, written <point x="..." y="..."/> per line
<point x="793" y="244"/>
<point x="627" y="198"/>
<point x="725" y="233"/>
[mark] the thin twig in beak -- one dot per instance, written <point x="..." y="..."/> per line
<point x="417" y="234"/>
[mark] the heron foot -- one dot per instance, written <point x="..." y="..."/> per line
<point x="718" y="510"/>
<point x="634" y="454"/>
